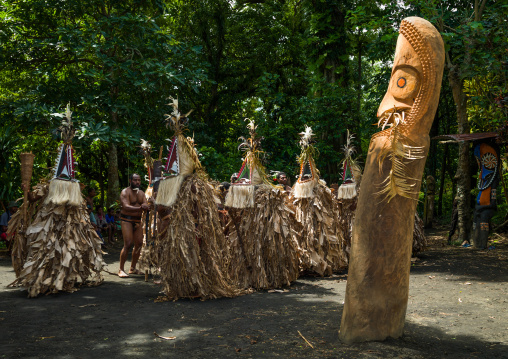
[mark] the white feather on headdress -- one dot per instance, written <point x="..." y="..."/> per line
<point x="145" y="145"/>
<point x="306" y="136"/>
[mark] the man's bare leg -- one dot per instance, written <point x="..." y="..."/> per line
<point x="138" y="243"/>
<point x="127" y="233"/>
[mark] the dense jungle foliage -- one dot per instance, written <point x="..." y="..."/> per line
<point x="284" y="63"/>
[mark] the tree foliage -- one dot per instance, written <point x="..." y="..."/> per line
<point x="324" y="63"/>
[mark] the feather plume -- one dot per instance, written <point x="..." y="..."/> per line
<point x="306" y="136"/>
<point x="349" y="151"/>
<point x="66" y="129"/>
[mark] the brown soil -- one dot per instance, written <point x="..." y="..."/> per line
<point x="457" y="309"/>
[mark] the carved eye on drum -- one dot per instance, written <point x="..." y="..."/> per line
<point x="404" y="84"/>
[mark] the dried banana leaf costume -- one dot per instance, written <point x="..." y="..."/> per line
<point x="18" y="229"/>
<point x="193" y="254"/>
<point x="265" y="252"/>
<point x="64" y="249"/>
<point x="319" y="241"/>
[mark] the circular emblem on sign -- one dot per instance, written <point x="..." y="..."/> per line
<point x="489" y="161"/>
<point x="401" y="82"/>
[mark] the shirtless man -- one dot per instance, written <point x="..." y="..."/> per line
<point x="133" y="202"/>
<point x="283" y="180"/>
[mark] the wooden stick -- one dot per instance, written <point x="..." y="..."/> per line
<point x="160" y="153"/>
<point x="306" y="341"/>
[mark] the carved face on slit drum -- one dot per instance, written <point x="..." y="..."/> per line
<point x="378" y="278"/>
<point x="412" y="96"/>
<point x="408" y="107"/>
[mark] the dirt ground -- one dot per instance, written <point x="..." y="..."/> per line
<point x="457" y="309"/>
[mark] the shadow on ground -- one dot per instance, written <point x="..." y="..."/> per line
<point x="118" y="320"/>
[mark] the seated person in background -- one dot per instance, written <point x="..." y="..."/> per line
<point x="93" y="220"/>
<point x="111" y="225"/>
<point x="101" y="218"/>
<point x="117" y="220"/>
<point x="4" y="219"/>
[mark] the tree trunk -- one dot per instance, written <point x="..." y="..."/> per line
<point x="463" y="175"/>
<point x="113" y="181"/>
<point x="442" y="181"/>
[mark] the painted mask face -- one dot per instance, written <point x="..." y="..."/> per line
<point x="347" y="174"/>
<point x="244" y="176"/>
<point x="64" y="168"/>
<point x="487" y="159"/>
<point x="307" y="172"/>
<point x="172" y="167"/>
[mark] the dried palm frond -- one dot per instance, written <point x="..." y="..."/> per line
<point x="349" y="151"/>
<point x="319" y="241"/>
<point x="268" y="239"/>
<point x="64" y="251"/>
<point x="400" y="150"/>
<point x="238" y="268"/>
<point x="346" y="208"/>
<point x="17" y="228"/>
<point x="192" y="250"/>
<point x="66" y="129"/>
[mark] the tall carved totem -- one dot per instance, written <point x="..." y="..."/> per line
<point x="485" y="208"/>
<point x="378" y="280"/>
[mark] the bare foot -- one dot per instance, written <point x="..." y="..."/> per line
<point x="134" y="271"/>
<point x="122" y="274"/>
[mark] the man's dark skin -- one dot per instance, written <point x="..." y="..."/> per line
<point x="91" y="195"/>
<point x="133" y="202"/>
<point x="282" y="179"/>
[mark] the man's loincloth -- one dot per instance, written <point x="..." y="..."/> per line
<point x="130" y="219"/>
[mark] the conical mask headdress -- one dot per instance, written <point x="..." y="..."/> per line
<point x="351" y="172"/>
<point x="309" y="175"/>
<point x="252" y="172"/>
<point x="64" y="188"/>
<point x="182" y="158"/>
